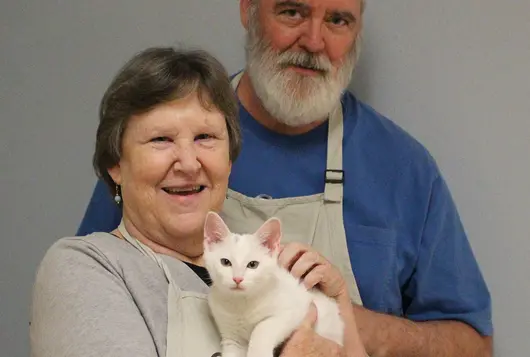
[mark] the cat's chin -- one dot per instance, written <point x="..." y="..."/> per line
<point x="236" y="290"/>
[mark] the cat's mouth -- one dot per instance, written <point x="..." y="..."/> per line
<point x="237" y="288"/>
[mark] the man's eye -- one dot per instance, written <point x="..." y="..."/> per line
<point x="339" y="21"/>
<point x="203" y="137"/>
<point x="291" y="13"/>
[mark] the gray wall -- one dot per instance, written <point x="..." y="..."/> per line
<point x="453" y="73"/>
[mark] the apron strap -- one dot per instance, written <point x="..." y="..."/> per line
<point x="235" y="80"/>
<point x="333" y="191"/>
<point x="145" y="250"/>
<point x="333" y="200"/>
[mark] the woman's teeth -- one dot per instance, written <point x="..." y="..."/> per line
<point x="184" y="191"/>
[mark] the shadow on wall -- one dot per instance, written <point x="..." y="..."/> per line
<point x="360" y="83"/>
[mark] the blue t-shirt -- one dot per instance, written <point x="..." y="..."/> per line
<point x="408" y="249"/>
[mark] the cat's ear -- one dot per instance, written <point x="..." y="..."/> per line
<point x="270" y="234"/>
<point x="215" y="229"/>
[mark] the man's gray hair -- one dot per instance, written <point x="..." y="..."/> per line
<point x="363" y="4"/>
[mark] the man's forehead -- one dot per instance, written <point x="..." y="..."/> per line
<point x="327" y="4"/>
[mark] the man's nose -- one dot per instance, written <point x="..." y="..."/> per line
<point x="312" y="38"/>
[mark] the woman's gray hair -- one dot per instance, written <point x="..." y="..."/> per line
<point x="156" y="76"/>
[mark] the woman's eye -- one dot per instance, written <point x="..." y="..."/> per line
<point x="203" y="137"/>
<point x="160" y="139"/>
<point x="253" y="264"/>
<point x="225" y="262"/>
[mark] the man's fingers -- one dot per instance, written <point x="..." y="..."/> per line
<point x="314" y="277"/>
<point x="304" y="264"/>
<point x="310" y="317"/>
<point x="290" y="254"/>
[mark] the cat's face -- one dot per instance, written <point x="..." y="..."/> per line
<point x="240" y="264"/>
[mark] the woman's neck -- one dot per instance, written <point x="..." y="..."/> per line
<point x="184" y="254"/>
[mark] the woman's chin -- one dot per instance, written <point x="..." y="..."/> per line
<point x="185" y="225"/>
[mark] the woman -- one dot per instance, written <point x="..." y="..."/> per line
<point x="167" y="136"/>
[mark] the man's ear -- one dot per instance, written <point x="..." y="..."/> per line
<point x="115" y="173"/>
<point x="244" y="7"/>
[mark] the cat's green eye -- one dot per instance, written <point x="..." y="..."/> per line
<point x="225" y="262"/>
<point x="253" y="264"/>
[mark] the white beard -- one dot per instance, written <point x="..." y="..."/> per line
<point x="295" y="99"/>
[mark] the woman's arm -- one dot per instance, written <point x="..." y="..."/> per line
<point x="82" y="307"/>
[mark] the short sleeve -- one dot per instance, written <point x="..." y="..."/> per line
<point x="82" y="307"/>
<point x="447" y="283"/>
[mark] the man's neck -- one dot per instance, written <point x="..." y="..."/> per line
<point x="251" y="102"/>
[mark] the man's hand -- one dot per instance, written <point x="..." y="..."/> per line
<point x="315" y="271"/>
<point x="312" y="268"/>
<point x="305" y="342"/>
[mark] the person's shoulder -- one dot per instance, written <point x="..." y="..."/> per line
<point x="96" y="249"/>
<point x="98" y="241"/>
<point x="385" y="135"/>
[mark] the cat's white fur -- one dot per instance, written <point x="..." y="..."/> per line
<point x="270" y="303"/>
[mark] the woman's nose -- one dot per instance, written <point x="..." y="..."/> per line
<point x="187" y="161"/>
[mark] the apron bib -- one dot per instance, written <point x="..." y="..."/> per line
<point x="315" y="220"/>
<point x="191" y="330"/>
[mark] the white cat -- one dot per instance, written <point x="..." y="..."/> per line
<point x="255" y="303"/>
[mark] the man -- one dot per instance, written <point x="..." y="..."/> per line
<point x="348" y="181"/>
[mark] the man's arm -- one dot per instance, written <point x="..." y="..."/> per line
<point x="446" y="303"/>
<point x="102" y="214"/>
<point x="390" y="336"/>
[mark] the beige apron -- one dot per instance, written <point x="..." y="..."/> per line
<point x="191" y="330"/>
<point x="315" y="220"/>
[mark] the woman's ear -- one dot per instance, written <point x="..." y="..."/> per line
<point x="115" y="173"/>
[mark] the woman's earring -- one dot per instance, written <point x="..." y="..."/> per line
<point x="117" y="196"/>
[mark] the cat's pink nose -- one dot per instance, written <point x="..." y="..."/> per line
<point x="237" y="279"/>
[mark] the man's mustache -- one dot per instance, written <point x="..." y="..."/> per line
<point x="305" y="60"/>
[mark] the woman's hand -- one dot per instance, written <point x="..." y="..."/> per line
<point x="305" y="263"/>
